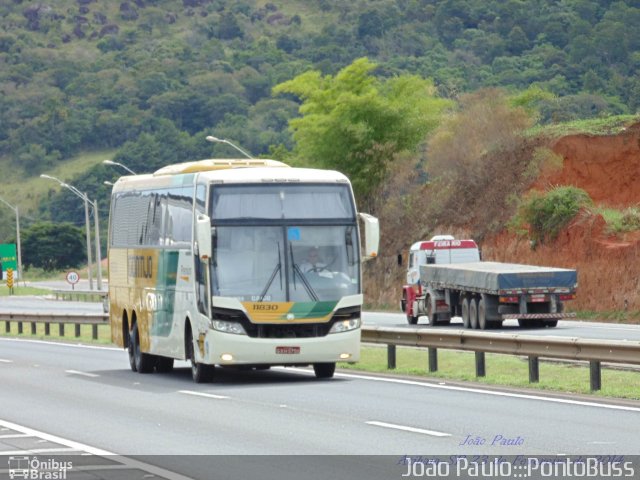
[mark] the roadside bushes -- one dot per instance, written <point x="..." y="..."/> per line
<point x="548" y="213"/>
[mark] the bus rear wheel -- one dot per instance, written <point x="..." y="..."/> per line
<point x="143" y="362"/>
<point x="324" y="370"/>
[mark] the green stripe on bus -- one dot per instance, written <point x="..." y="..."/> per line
<point x="312" y="309"/>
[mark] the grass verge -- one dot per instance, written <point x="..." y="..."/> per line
<point x="21" y="290"/>
<point x="86" y="335"/>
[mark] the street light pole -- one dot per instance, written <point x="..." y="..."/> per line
<point x="86" y="200"/>
<point x="88" y="232"/>
<point x="211" y="138"/>
<point x="98" y="252"/>
<point x="15" y="209"/>
<point x="111" y="162"/>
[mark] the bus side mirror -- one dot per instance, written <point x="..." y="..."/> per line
<point x="371" y="236"/>
<point x="203" y="236"/>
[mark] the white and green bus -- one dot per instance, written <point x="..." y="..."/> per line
<point x="209" y="262"/>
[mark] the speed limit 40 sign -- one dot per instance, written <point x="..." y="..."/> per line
<point x="73" y="277"/>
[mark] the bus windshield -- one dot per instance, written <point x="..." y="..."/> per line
<point x="284" y="243"/>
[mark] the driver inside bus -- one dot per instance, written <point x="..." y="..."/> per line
<point x="313" y="262"/>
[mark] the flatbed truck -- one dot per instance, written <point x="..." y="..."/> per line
<point x="443" y="283"/>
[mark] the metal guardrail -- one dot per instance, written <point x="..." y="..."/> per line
<point x="80" y="295"/>
<point x="61" y="319"/>
<point x="101" y="296"/>
<point x="533" y="346"/>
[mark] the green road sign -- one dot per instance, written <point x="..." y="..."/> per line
<point x="9" y="259"/>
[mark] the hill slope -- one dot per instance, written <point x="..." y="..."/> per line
<point x="608" y="168"/>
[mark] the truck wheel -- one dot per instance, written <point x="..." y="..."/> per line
<point x="473" y="313"/>
<point x="430" y="315"/>
<point x="405" y="305"/>
<point x="482" y="316"/>
<point x="551" y="323"/>
<point x="411" y="320"/>
<point x="465" y="313"/>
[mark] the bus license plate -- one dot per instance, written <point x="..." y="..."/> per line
<point x="287" y="350"/>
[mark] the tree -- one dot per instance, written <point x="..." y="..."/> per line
<point x="53" y="246"/>
<point x="356" y="123"/>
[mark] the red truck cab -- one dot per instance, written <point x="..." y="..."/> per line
<point x="438" y="250"/>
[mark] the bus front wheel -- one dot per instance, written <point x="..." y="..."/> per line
<point x="200" y="372"/>
<point x="324" y="370"/>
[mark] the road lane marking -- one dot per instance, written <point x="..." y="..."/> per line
<point x="491" y="392"/>
<point x="60" y="344"/>
<point x="3" y="360"/>
<point x="404" y="428"/>
<point x="82" y="374"/>
<point x="33" y="451"/>
<point x="79" y="447"/>
<point x="469" y="389"/>
<point x="201" y="394"/>
<point x="15" y="435"/>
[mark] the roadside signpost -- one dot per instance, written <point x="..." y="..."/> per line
<point x="73" y="277"/>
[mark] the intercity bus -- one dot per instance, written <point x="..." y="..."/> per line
<point x="206" y="265"/>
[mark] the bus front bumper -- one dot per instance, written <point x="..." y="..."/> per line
<point x="229" y="349"/>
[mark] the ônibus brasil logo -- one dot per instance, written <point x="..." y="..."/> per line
<point x="35" y="469"/>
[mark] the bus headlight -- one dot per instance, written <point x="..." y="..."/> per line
<point x="345" y="325"/>
<point x="228" y="327"/>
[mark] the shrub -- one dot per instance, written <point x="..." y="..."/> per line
<point x="620" y="221"/>
<point x="548" y="213"/>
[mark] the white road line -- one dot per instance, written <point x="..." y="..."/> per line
<point x="201" y="394"/>
<point x="59" y="344"/>
<point x="433" y="433"/>
<point x="82" y="374"/>
<point x="38" y="450"/>
<point x="2" y="360"/>
<point x="15" y="435"/>
<point x="76" y="446"/>
<point x="470" y="390"/>
<point x="492" y="392"/>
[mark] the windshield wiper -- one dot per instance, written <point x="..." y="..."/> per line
<point x="305" y="282"/>
<point x="278" y="268"/>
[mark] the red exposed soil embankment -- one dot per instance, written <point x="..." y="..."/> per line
<point x="608" y="169"/>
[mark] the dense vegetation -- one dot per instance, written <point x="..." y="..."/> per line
<point x="152" y="78"/>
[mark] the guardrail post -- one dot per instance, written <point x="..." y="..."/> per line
<point x="47" y="329"/>
<point x="77" y="329"/>
<point x="433" y="359"/>
<point x="61" y="329"/>
<point x="595" y="375"/>
<point x="534" y="369"/>
<point x="7" y="326"/>
<point x="20" y="327"/>
<point x="33" y="328"/>
<point x="391" y="357"/>
<point x="94" y="331"/>
<point x="480" y="365"/>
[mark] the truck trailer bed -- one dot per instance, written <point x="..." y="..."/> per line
<point x="497" y="277"/>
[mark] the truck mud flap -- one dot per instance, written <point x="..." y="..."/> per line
<point x="537" y="316"/>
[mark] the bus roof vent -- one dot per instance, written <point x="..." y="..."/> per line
<point x="217" y="164"/>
